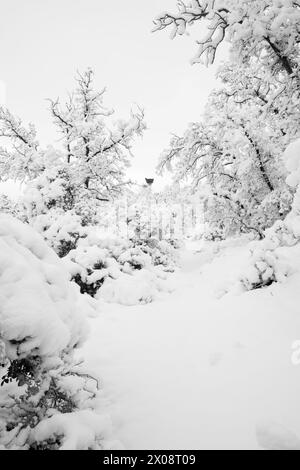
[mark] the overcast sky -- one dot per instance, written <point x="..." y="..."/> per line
<point x="44" y="42"/>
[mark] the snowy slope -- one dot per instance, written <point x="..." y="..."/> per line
<point x="197" y="370"/>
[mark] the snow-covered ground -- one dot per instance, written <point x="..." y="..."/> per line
<point x="198" y="370"/>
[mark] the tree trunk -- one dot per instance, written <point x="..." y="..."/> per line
<point x="283" y="59"/>
<point x="261" y="165"/>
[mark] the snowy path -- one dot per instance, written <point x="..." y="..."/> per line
<point x="195" y="372"/>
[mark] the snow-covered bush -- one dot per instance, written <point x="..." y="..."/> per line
<point x="267" y="267"/>
<point x="46" y="396"/>
<point x="61" y="230"/>
<point x="92" y="261"/>
<point x="162" y="252"/>
<point x="97" y="259"/>
<point x="7" y="206"/>
<point x="142" y="286"/>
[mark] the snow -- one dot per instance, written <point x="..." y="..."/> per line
<point x="197" y="354"/>
<point x="143" y="286"/>
<point x="43" y="320"/>
<point x="200" y="370"/>
<point x="185" y="361"/>
<point x="80" y="429"/>
<point x="40" y="309"/>
<point x="292" y="162"/>
<point x="273" y="436"/>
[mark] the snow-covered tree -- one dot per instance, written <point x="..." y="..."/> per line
<point x="269" y="262"/>
<point x="233" y="156"/>
<point x="89" y="168"/>
<point x="96" y="152"/>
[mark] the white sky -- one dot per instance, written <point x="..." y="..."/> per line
<point x="44" y="42"/>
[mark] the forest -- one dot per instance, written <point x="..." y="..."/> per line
<point x="137" y="317"/>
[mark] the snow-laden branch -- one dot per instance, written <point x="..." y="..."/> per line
<point x="264" y="29"/>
